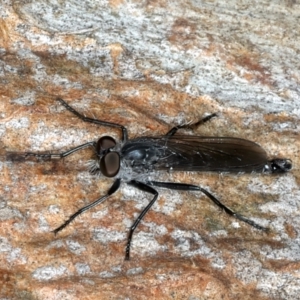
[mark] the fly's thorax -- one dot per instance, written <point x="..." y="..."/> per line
<point x="129" y="170"/>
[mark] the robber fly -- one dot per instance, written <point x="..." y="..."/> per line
<point x="132" y="160"/>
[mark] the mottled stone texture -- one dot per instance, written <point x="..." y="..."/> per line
<point x="147" y="65"/>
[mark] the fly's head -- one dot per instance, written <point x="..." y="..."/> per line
<point x="108" y="160"/>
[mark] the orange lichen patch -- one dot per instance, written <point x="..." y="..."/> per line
<point x="182" y="33"/>
<point x="115" y="3"/>
<point x="150" y="4"/>
<point x="8" y="282"/>
<point x="61" y="65"/>
<point x="278" y="117"/>
<point x="286" y="265"/>
<point x="252" y="69"/>
<point x="115" y="51"/>
<point x="290" y="230"/>
<point x="17" y="81"/>
<point x="4" y="34"/>
<point x="283" y="265"/>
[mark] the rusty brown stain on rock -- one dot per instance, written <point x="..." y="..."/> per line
<point x="183" y="33"/>
<point x="290" y="230"/>
<point x="115" y="3"/>
<point x="253" y="71"/>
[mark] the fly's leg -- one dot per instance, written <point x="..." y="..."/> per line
<point x="190" y="187"/>
<point x="146" y="188"/>
<point x="190" y="126"/>
<point x="112" y="190"/>
<point x="95" y="121"/>
<point x="21" y="156"/>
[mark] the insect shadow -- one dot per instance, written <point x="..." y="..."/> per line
<point x="134" y="160"/>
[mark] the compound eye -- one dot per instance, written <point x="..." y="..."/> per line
<point x="110" y="164"/>
<point x="104" y="143"/>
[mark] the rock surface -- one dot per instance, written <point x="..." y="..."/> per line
<point x="147" y="65"/>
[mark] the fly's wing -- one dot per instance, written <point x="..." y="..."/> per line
<point x="196" y="153"/>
